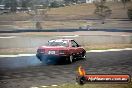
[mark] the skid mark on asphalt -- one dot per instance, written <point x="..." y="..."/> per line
<point x="48" y="78"/>
<point x="96" y="63"/>
<point x="67" y="74"/>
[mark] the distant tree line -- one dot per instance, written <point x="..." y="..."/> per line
<point x="13" y="4"/>
<point x="102" y="11"/>
<point x="67" y="2"/>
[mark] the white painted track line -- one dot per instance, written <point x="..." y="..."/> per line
<point x="34" y="87"/>
<point x="67" y="36"/>
<point x="44" y="86"/>
<point x="54" y="85"/>
<point x="7" y="37"/>
<point x="19" y="55"/>
<point x="109" y="50"/>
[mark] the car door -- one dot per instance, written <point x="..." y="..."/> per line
<point x="74" y="48"/>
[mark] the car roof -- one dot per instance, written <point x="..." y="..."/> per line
<point x="62" y="39"/>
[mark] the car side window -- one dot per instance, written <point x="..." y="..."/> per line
<point x="73" y="43"/>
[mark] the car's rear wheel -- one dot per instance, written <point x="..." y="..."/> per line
<point x="84" y="56"/>
<point x="70" y="60"/>
<point x="39" y="57"/>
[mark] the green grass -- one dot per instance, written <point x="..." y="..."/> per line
<point x="94" y="86"/>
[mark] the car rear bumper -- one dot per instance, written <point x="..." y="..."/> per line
<point x="50" y="59"/>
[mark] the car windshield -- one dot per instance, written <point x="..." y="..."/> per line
<point x="57" y="43"/>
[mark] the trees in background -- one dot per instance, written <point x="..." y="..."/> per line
<point x="102" y="11"/>
<point x="39" y="13"/>
<point x="129" y="13"/>
<point x="25" y="4"/>
<point x="56" y="4"/>
<point x="129" y="8"/>
<point x="67" y="2"/>
<point x="12" y="4"/>
<point x="124" y="2"/>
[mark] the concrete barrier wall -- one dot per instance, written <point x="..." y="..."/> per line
<point x="30" y="42"/>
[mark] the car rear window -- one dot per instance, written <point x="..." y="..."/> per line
<point x="57" y="43"/>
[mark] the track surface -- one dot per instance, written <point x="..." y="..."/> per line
<point x="24" y="72"/>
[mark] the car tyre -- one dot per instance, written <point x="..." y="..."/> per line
<point x="70" y="60"/>
<point x="84" y="56"/>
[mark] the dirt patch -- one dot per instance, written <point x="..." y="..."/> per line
<point x="14" y="17"/>
<point x="70" y="24"/>
<point x="72" y="16"/>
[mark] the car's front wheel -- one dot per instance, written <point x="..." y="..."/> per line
<point x="70" y="59"/>
<point x="83" y="56"/>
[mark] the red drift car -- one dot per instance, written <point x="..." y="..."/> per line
<point x="60" y="49"/>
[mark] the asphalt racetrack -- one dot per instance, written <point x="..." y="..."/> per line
<point x="28" y="71"/>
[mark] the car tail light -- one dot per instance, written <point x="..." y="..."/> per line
<point x="40" y="51"/>
<point x="62" y="52"/>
